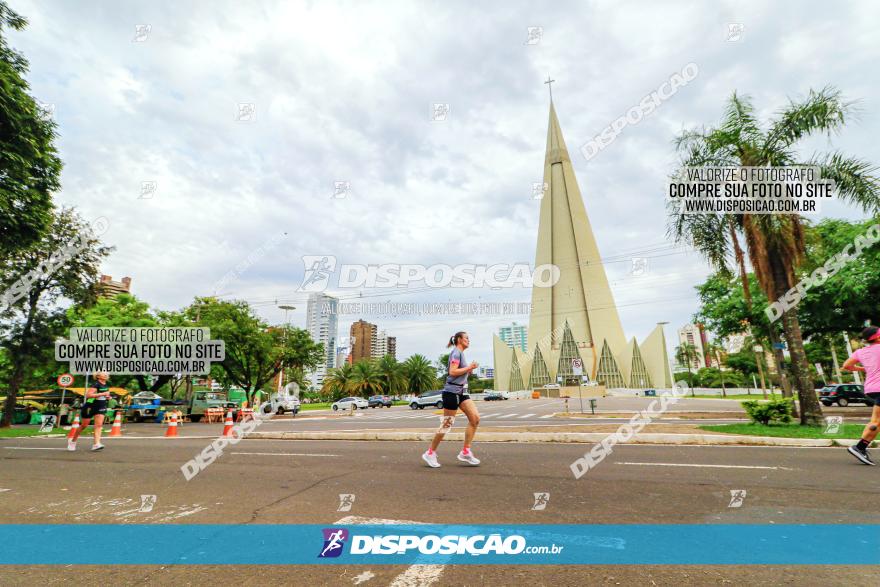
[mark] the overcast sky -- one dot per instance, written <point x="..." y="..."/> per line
<point x="344" y="91"/>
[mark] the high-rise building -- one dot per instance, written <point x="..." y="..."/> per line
<point x="514" y="336"/>
<point x="363" y="340"/>
<point x="342" y="356"/>
<point x="574" y="319"/>
<point x="322" y="324"/>
<point x="392" y="346"/>
<point x="385" y="345"/>
<point x="487" y="372"/>
<point x="692" y="334"/>
<point x="107" y="288"/>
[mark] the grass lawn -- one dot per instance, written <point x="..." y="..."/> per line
<point x="321" y="406"/>
<point x="853" y="431"/>
<point x="25" y="430"/>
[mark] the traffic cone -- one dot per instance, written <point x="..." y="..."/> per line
<point x="171" y="430"/>
<point x="227" y="427"/>
<point x="74" y="427"/>
<point x="116" y="429"/>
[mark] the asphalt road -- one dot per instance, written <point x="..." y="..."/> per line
<point x="533" y="414"/>
<point x="269" y="482"/>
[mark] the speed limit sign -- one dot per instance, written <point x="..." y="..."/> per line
<point x="65" y="380"/>
<point x="577" y="366"/>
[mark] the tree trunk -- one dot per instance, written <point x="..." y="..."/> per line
<point x="810" y="411"/>
<point x="20" y="358"/>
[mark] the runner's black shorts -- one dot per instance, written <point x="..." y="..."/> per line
<point x="90" y="410"/>
<point x="451" y="401"/>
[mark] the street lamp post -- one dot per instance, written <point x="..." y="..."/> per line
<point x="287" y="322"/>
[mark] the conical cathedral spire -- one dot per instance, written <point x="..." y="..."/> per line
<point x="582" y="295"/>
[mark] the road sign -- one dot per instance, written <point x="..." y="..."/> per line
<point x="577" y="366"/>
<point x="819" y="370"/>
<point x="65" y="380"/>
<point x="779" y="345"/>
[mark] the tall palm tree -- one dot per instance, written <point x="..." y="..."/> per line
<point x="337" y="382"/>
<point x="420" y="374"/>
<point x="391" y="375"/>
<point x="365" y="380"/>
<point x="686" y="353"/>
<point x="774" y="242"/>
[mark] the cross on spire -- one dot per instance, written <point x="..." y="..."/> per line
<point x="549" y="83"/>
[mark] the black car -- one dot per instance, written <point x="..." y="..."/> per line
<point x="843" y="394"/>
<point x="377" y="401"/>
<point x="492" y="396"/>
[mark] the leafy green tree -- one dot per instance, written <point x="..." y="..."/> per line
<point x="774" y="242"/>
<point x="64" y="265"/>
<point x="29" y="165"/>
<point x="419" y="373"/>
<point x="849" y="297"/>
<point x="123" y="310"/>
<point x="254" y="351"/>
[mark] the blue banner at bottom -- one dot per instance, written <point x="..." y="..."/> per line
<point x="283" y="544"/>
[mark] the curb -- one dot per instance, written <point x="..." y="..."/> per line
<point x="560" y="437"/>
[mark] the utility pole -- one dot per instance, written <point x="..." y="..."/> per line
<point x="836" y="365"/>
<point x="720" y="370"/>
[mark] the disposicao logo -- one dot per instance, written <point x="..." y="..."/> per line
<point x="334" y="541"/>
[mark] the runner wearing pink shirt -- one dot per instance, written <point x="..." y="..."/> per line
<point x="867" y="360"/>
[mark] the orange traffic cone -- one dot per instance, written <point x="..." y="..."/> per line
<point x="116" y="429"/>
<point x="74" y="427"/>
<point x="172" y="426"/>
<point x="227" y="427"/>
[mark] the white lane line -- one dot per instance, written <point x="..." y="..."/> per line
<point x="31" y="448"/>
<point x="507" y="415"/>
<point x="527" y="416"/>
<point x="414" y="575"/>
<point x="707" y="466"/>
<point x="546" y="416"/>
<point x="284" y="454"/>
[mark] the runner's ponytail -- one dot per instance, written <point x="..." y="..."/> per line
<point x="453" y="340"/>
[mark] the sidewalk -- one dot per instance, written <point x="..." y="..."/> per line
<point x="561" y="437"/>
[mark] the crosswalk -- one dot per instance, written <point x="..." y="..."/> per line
<point x="422" y="415"/>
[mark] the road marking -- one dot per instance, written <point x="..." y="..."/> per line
<point x="32" y="448"/>
<point x="415" y="575"/>
<point x="547" y="416"/>
<point x="707" y="466"/>
<point x="527" y="416"/>
<point x="507" y="415"/>
<point x="283" y="454"/>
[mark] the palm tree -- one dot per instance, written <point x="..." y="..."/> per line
<point x="391" y="375"/>
<point x="337" y="382"/>
<point x="420" y="374"/>
<point x="774" y="243"/>
<point x="686" y="353"/>
<point x="365" y="379"/>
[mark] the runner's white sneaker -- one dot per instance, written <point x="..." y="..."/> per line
<point x="468" y="458"/>
<point x="430" y="459"/>
<point x="98" y="447"/>
<point x="71" y="445"/>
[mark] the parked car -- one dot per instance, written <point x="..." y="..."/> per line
<point x="843" y="394"/>
<point x="346" y="403"/>
<point x="282" y="403"/>
<point x="495" y="395"/>
<point x="377" y="401"/>
<point x="429" y="398"/>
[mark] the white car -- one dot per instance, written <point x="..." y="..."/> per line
<point x="346" y="403"/>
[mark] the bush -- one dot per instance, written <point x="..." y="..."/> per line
<point x="771" y="411"/>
